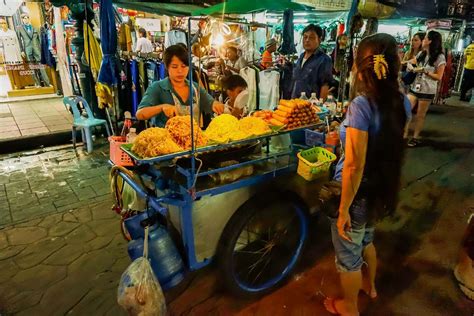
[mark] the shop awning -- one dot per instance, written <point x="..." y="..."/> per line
<point x="157" y="7"/>
<point x="251" y="6"/>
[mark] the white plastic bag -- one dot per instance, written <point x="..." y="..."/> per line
<point x="139" y="292"/>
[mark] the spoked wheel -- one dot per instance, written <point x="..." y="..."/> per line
<point x="260" y="246"/>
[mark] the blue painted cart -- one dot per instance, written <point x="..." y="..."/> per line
<point x="254" y="227"/>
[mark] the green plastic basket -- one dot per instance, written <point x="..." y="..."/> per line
<point x="314" y="162"/>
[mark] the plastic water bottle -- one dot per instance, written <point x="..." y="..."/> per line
<point x="303" y="96"/>
<point x="339" y="109"/>
<point x="314" y="99"/>
<point x="165" y="260"/>
<point x="131" y="135"/>
<point x="330" y="105"/>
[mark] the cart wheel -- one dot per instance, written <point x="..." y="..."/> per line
<point x="261" y="244"/>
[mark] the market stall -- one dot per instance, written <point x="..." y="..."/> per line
<point x="238" y="192"/>
<point x="233" y="182"/>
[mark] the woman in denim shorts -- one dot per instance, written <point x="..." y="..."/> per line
<point x="372" y="136"/>
<point x="431" y="63"/>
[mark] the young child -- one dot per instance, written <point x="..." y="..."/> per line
<point x="236" y="89"/>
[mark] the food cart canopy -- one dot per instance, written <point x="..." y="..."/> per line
<point x="251" y="6"/>
<point x="157" y="7"/>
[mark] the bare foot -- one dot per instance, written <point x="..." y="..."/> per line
<point x="370" y="291"/>
<point x="464" y="277"/>
<point x="337" y="307"/>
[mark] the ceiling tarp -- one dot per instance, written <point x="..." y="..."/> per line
<point x="251" y="6"/>
<point x="171" y="9"/>
<point x="424" y="8"/>
<point x="327" y="5"/>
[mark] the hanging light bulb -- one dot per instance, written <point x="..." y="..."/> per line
<point x="217" y="39"/>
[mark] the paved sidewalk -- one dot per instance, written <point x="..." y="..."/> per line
<point x="64" y="253"/>
<point x="41" y="182"/>
<point x="63" y="263"/>
<point x="33" y="117"/>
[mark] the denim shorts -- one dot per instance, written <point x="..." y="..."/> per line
<point x="349" y="253"/>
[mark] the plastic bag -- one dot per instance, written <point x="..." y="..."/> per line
<point x="139" y="292"/>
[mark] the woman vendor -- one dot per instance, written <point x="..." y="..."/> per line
<point x="170" y="97"/>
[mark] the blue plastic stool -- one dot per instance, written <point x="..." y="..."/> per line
<point x="83" y="123"/>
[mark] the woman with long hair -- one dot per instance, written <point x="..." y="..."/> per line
<point x="430" y="68"/>
<point x="372" y="136"/>
<point x="415" y="48"/>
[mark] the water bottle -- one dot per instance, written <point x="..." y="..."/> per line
<point x="165" y="260"/>
<point x="330" y="105"/>
<point x="314" y="99"/>
<point x="339" y="112"/>
<point x="303" y="96"/>
<point x="131" y="135"/>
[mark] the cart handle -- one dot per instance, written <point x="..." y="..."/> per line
<point x="155" y="203"/>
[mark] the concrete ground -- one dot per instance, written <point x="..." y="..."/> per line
<point x="61" y="251"/>
<point x="33" y="117"/>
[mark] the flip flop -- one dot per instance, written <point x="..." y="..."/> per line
<point x="333" y="306"/>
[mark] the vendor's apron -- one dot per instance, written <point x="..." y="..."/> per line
<point x="182" y="110"/>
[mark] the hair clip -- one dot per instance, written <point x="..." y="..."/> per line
<point x="380" y="66"/>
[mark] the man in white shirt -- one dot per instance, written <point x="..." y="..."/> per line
<point x="143" y="44"/>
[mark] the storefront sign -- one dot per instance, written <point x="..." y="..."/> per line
<point x="327" y="5"/>
<point x="439" y="24"/>
<point x="150" y="25"/>
<point x="25" y="67"/>
<point x="25" y="70"/>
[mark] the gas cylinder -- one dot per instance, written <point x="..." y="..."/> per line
<point x="164" y="257"/>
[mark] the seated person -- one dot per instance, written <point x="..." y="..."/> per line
<point x="236" y="89"/>
<point x="234" y="62"/>
<point x="170" y="97"/>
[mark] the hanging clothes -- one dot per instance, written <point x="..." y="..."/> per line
<point x="250" y="76"/>
<point x="11" y="47"/>
<point x="61" y="54"/>
<point x="269" y="86"/>
<point x="135" y="86"/>
<point x="174" y="37"/>
<point x="286" y="79"/>
<point x="153" y="71"/>
<point x="143" y="82"/>
<point x="288" y="45"/>
<point x="125" y="38"/>
<point x="162" y="71"/>
<point x="46" y="57"/>
<point x="125" y="87"/>
<point x="92" y="51"/>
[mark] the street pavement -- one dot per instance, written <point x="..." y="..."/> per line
<point x="61" y="250"/>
